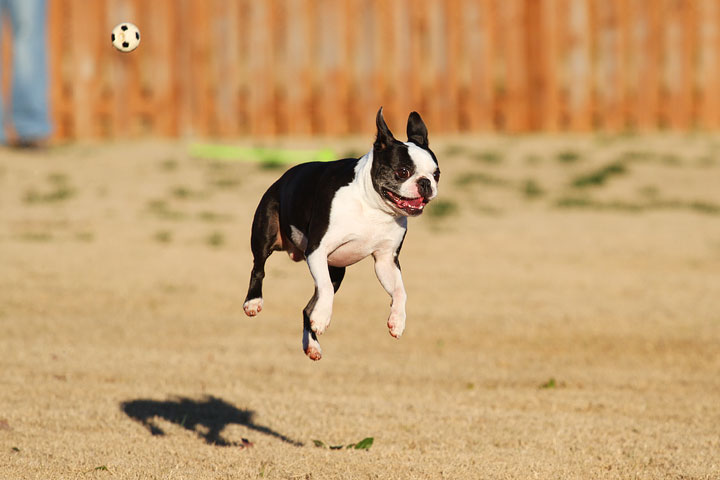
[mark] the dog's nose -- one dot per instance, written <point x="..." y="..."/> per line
<point x="424" y="187"/>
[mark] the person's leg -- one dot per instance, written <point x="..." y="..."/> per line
<point x="3" y="11"/>
<point x="29" y="111"/>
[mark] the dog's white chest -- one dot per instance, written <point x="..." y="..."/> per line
<point x="357" y="230"/>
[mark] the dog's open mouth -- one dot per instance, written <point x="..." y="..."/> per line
<point x="411" y="206"/>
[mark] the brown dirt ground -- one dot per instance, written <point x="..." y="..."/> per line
<point x="123" y="268"/>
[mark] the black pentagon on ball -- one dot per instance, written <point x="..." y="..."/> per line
<point x="124" y="27"/>
<point x="137" y="35"/>
<point x="112" y="37"/>
<point x="126" y="44"/>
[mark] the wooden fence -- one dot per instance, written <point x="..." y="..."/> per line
<point x="260" y="67"/>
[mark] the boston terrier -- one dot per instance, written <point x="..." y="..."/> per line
<point x="334" y="214"/>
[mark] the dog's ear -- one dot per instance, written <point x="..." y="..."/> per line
<point x="416" y="130"/>
<point x="384" y="135"/>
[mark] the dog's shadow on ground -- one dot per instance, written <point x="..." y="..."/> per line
<point x="207" y="417"/>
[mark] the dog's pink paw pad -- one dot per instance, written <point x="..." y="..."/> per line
<point x="313" y="353"/>
<point x="396" y="326"/>
<point x="253" y="307"/>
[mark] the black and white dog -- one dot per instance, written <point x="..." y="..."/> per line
<point x="334" y="214"/>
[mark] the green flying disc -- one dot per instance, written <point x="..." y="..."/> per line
<point x="231" y="153"/>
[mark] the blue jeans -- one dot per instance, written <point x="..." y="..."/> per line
<point x="29" y="103"/>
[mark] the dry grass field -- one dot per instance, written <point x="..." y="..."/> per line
<point x="563" y="320"/>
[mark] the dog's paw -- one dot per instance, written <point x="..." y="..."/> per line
<point x="313" y="353"/>
<point x="396" y="324"/>
<point x="311" y="346"/>
<point x="253" y="306"/>
<point x="320" y="319"/>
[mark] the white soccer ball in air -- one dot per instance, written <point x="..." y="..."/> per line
<point x="125" y="37"/>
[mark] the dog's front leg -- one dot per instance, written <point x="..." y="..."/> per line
<point x="322" y="310"/>
<point x="388" y="272"/>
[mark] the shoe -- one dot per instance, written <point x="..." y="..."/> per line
<point x="27" y="144"/>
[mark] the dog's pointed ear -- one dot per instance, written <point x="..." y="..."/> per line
<point x="384" y="135"/>
<point x="416" y="130"/>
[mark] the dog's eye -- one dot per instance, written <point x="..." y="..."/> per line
<point x="402" y="173"/>
<point x="436" y="175"/>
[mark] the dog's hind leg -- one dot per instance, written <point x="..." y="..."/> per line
<point x="311" y="346"/>
<point x="265" y="238"/>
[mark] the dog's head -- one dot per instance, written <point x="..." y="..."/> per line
<point x="404" y="174"/>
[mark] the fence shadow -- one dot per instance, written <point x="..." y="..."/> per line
<point x="207" y="417"/>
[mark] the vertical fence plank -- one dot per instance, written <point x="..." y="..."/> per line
<point x="579" y="58"/>
<point x="650" y="81"/>
<point x="610" y="84"/>
<point x="402" y="76"/>
<point x="260" y="69"/>
<point x="332" y="80"/>
<point x="548" y="118"/>
<point x="83" y="39"/>
<point x="516" y="67"/>
<point x="224" y="58"/>
<point x="58" y="92"/>
<point x="536" y="56"/>
<point x="679" y="66"/>
<point x="481" y="51"/>
<point x="709" y="68"/>
<point x="689" y="58"/>
<point x="298" y="84"/>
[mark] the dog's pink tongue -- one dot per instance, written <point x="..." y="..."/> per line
<point x="415" y="202"/>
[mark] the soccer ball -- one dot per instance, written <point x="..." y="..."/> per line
<point x="125" y="37"/>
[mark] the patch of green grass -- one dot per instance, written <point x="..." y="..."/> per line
<point x="59" y="194"/>
<point x="161" y="209"/>
<point x="698" y="206"/>
<point x="185" y="193"/>
<point x="671" y="160"/>
<point x="85" y="236"/>
<point x="57" y="178"/>
<point x="481" y="178"/>
<point x="272" y="163"/>
<point x="551" y="383"/>
<point x="488" y="157"/>
<point x="224" y="182"/>
<point x="707" y="208"/>
<point x="649" y="192"/>
<point x="163" y="236"/>
<point x="600" y="176"/>
<point x="59" y="190"/>
<point x="441" y="208"/>
<point x="266" y="468"/>
<point x="208" y="216"/>
<point x="169" y="165"/>
<point x="454" y="150"/>
<point x="532" y="189"/>
<point x="217" y="166"/>
<point x="706" y="161"/>
<point x="637" y="156"/>
<point x="574" y="202"/>
<point x="36" y="236"/>
<point x="489" y="210"/>
<point x="215" y="239"/>
<point x="363" y="444"/>
<point x="533" y="159"/>
<point x="181" y="192"/>
<point x="352" y="153"/>
<point x="584" y="202"/>
<point x="568" y="156"/>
